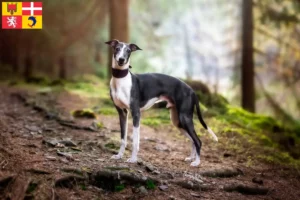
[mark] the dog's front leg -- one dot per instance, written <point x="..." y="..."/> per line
<point x="135" y="112"/>
<point x="123" y="117"/>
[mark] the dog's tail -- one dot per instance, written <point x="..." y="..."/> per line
<point x="201" y="119"/>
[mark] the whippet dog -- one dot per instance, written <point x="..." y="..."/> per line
<point x="137" y="92"/>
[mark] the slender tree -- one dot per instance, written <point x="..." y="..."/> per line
<point x="247" y="76"/>
<point x="119" y="28"/>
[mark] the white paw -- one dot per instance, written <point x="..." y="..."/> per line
<point x="188" y="159"/>
<point x="116" y="157"/>
<point x="195" y="163"/>
<point x="132" y="160"/>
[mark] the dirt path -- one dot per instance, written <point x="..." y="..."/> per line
<point x="36" y="152"/>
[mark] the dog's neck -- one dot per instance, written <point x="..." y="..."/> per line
<point x="120" y="71"/>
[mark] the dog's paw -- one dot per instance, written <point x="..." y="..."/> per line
<point x="195" y="163"/>
<point x="132" y="160"/>
<point x="116" y="157"/>
<point x="188" y="159"/>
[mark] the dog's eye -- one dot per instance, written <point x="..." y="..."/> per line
<point x="117" y="49"/>
<point x="128" y="50"/>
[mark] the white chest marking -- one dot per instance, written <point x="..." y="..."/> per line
<point x="120" y="90"/>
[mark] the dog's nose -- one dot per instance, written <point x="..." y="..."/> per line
<point x="121" y="60"/>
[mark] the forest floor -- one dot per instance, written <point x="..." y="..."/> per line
<point x="45" y="153"/>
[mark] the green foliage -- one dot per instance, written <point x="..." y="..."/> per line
<point x="83" y="187"/>
<point x="119" y="187"/>
<point x="150" y="184"/>
<point x="279" y="13"/>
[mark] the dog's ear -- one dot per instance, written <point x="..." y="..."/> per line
<point x="134" y="47"/>
<point x="112" y="43"/>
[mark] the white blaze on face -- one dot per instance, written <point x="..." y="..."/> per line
<point x="121" y="53"/>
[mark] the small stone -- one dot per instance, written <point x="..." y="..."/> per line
<point x="156" y="172"/>
<point x="164" y="182"/>
<point x="161" y="147"/>
<point x="172" y="198"/>
<point x="52" y="158"/>
<point x="167" y="175"/>
<point x="63" y="160"/>
<point x="150" y="139"/>
<point x="143" y="190"/>
<point x="163" y="187"/>
<point x="195" y="195"/>
<point x="66" y="155"/>
<point x="50" y="142"/>
<point x="149" y="167"/>
<point x="59" y="145"/>
<point x="32" y="128"/>
<point x="68" y="143"/>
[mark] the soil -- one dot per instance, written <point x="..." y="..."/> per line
<point x="30" y="167"/>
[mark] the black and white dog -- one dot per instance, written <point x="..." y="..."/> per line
<point x="138" y="92"/>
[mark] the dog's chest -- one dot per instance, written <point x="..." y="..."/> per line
<point x="120" y="89"/>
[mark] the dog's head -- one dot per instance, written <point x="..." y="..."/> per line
<point x="122" y="51"/>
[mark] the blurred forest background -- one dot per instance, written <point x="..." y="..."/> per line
<point x="246" y="50"/>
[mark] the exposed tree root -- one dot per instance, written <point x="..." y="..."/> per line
<point x="110" y="179"/>
<point x="192" y="185"/>
<point x="248" y="190"/>
<point x="18" y="188"/>
<point x="4" y="182"/>
<point x="222" y="173"/>
<point x="69" y="181"/>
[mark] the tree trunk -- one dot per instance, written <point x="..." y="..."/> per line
<point x="119" y="28"/>
<point x="248" y="93"/>
<point x="28" y="67"/>
<point x="62" y="73"/>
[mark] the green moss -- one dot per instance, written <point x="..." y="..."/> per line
<point x="84" y="113"/>
<point x="245" y="119"/>
<point x="112" y="145"/>
<point x="280" y="158"/>
<point x="99" y="125"/>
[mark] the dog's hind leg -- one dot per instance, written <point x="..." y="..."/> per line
<point x="186" y="123"/>
<point x="175" y="121"/>
<point x="193" y="149"/>
<point x="123" y="117"/>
